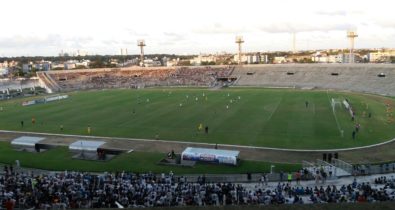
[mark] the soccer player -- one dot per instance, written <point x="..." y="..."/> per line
<point x="88" y="129"/>
<point x="22" y="123"/>
<point x="357" y="126"/>
<point x="206" y="129"/>
<point x="306" y="103"/>
<point x="200" y="127"/>
<point x="33" y="120"/>
<point x="61" y="127"/>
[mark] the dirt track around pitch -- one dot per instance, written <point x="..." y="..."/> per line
<point x="376" y="153"/>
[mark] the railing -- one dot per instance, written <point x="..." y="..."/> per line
<point x="343" y="165"/>
<point x="306" y="164"/>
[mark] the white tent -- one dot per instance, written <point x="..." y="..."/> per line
<point x="27" y="141"/>
<point x="210" y="155"/>
<point x="86" y="145"/>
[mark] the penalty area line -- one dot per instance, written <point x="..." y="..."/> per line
<point x="334" y="114"/>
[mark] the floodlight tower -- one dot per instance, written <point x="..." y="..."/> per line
<point x="141" y="44"/>
<point x="351" y="35"/>
<point x="239" y="41"/>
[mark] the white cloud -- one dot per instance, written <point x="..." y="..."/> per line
<point x="44" y="27"/>
<point x="289" y="27"/>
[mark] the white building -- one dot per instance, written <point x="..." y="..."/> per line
<point x="203" y="59"/>
<point x="4" y="64"/>
<point x="381" y="56"/>
<point x="46" y="65"/>
<point x="151" y="63"/>
<point x="319" y="57"/>
<point x="27" y="67"/>
<point x="57" y="66"/>
<point x="244" y="58"/>
<point x="346" y="57"/>
<point x="69" y="65"/>
<point x="84" y="63"/>
<point x="264" y="59"/>
<point x="173" y="62"/>
<point x="3" y="71"/>
<point x="279" y="59"/>
<point x="256" y="58"/>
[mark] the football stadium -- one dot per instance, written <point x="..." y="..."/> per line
<point x="197" y="105"/>
<point x="206" y="126"/>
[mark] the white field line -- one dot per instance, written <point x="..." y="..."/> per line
<point x="275" y="109"/>
<point x="313" y="108"/>
<point x="334" y="114"/>
<point x="199" y="143"/>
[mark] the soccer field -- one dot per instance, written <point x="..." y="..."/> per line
<point x="240" y="116"/>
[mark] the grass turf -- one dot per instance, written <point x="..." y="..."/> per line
<point x="60" y="159"/>
<point x="255" y="117"/>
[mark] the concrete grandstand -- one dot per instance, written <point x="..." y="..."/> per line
<point x="369" y="78"/>
<point x="56" y="81"/>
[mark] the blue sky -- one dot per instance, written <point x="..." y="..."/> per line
<point x="45" y="27"/>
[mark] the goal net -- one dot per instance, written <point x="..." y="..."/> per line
<point x="336" y="103"/>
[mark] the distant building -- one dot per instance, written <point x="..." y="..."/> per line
<point x="244" y="58"/>
<point x="72" y="64"/>
<point x="37" y="66"/>
<point x="173" y="62"/>
<point x="381" y="56"/>
<point x="4" y="64"/>
<point x="346" y="58"/>
<point x="3" y="71"/>
<point x="264" y="59"/>
<point x="27" y="67"/>
<point x="279" y="59"/>
<point x="151" y="63"/>
<point x="164" y="61"/>
<point x="256" y="58"/>
<point x="201" y="59"/>
<point x="11" y="63"/>
<point x="84" y="63"/>
<point x="69" y="65"/>
<point x="46" y="66"/>
<point x="57" y="66"/>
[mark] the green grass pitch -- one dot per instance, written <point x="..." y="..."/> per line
<point x="60" y="159"/>
<point x="240" y="116"/>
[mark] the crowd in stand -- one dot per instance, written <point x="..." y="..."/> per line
<point x="115" y="78"/>
<point x="84" y="190"/>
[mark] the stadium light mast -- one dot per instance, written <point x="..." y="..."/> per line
<point x="239" y="41"/>
<point x="351" y="35"/>
<point x="141" y="44"/>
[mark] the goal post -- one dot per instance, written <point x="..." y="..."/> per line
<point x="335" y="103"/>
